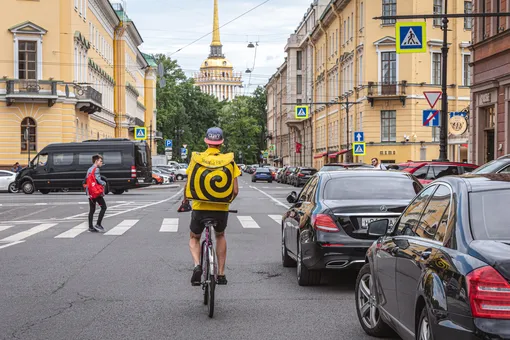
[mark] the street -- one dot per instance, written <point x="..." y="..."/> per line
<point x="133" y="282"/>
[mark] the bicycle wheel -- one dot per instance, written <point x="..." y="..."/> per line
<point x="211" y="287"/>
<point x="205" y="271"/>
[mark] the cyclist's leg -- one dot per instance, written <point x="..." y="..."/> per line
<point x="196" y="229"/>
<point x="221" y="241"/>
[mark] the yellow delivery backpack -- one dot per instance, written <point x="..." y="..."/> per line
<point x="211" y="178"/>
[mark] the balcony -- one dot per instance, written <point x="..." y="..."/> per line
<point x="31" y="90"/>
<point x="89" y="99"/>
<point x="386" y="91"/>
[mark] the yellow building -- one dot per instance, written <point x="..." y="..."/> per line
<point x="217" y="76"/>
<point x="72" y="72"/>
<point x="355" y="61"/>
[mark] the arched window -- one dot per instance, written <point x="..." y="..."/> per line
<point x="28" y="135"/>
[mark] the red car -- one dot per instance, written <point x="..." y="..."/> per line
<point x="426" y="171"/>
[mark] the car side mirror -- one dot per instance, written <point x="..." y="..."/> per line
<point x="292" y="198"/>
<point x="378" y="228"/>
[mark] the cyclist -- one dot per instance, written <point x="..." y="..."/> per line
<point x="217" y="211"/>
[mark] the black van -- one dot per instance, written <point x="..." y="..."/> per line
<point x="127" y="165"/>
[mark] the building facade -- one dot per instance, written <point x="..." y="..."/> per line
<point x="76" y="74"/>
<point x="217" y="76"/>
<point x="489" y="122"/>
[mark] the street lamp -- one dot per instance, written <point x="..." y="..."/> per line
<point x="248" y="70"/>
<point x="250" y="45"/>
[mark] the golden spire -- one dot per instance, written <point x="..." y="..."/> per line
<point x="216" y="26"/>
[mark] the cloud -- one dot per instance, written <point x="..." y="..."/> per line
<point x="166" y="26"/>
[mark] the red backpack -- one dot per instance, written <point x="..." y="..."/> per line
<point x="95" y="189"/>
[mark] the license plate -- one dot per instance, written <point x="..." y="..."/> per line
<point x="366" y="221"/>
<point x="141" y="180"/>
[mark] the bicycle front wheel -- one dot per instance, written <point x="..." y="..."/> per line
<point x="204" y="262"/>
<point x="211" y="287"/>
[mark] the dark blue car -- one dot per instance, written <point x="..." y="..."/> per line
<point x="262" y="174"/>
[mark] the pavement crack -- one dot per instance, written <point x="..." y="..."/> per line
<point x="28" y="326"/>
<point x="268" y="275"/>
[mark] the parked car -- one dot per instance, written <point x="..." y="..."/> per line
<point x="8" y="181"/>
<point x="497" y="166"/>
<point x="326" y="227"/>
<point x="286" y="175"/>
<point x="183" y="166"/>
<point x="279" y="175"/>
<point x="302" y="175"/>
<point x="127" y="165"/>
<point x="344" y="166"/>
<point x="262" y="174"/>
<point x="167" y="177"/>
<point x="291" y="177"/>
<point x="180" y="174"/>
<point x="444" y="271"/>
<point x="426" y="172"/>
<point x="157" y="179"/>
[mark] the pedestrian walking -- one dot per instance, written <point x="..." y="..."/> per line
<point x="95" y="191"/>
<point x="377" y="165"/>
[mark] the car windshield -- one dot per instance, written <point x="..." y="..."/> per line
<point x="491" y="167"/>
<point x="259" y="170"/>
<point x="490" y="216"/>
<point x="377" y="187"/>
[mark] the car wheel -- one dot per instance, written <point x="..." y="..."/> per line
<point x="28" y="187"/>
<point x="366" y="306"/>
<point x="424" y="330"/>
<point x="12" y="188"/>
<point x="253" y="181"/>
<point x="118" y="191"/>
<point x="287" y="261"/>
<point x="306" y="277"/>
<point x="44" y="191"/>
<point x="154" y="182"/>
<point x="269" y="181"/>
<point x="180" y="177"/>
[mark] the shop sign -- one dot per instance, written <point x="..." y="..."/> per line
<point x="457" y="125"/>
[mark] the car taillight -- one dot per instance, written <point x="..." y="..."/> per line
<point x="324" y="223"/>
<point x="489" y="294"/>
<point x="133" y="172"/>
<point x="287" y="173"/>
<point x="301" y="175"/>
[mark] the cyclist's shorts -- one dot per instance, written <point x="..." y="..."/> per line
<point x="197" y="216"/>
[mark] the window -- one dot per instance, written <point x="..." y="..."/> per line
<point x="436" y="68"/>
<point x="360" y="70"/>
<point x="348" y="27"/>
<point x="432" y="219"/>
<point x="63" y="159"/>
<point x="422" y="172"/>
<point x="360" y="121"/>
<point x="336" y="41"/>
<point x="299" y="60"/>
<point x="85" y="158"/>
<point x="27" y="55"/>
<point x="490" y="215"/>
<point x="299" y="88"/>
<point x="388" y="126"/>
<point x="389" y="67"/>
<point x="76" y="4"/>
<point x="112" y="157"/>
<point x="481" y="22"/>
<point x="352" y="25"/>
<point x="438" y="9"/>
<point x="436" y="133"/>
<point x="389" y="8"/>
<point x="361" y="16"/>
<point x="410" y="218"/>
<point x="466" y="78"/>
<point x="28" y="135"/>
<point x="468" y="9"/>
<point x="358" y="188"/>
<point x="345" y="31"/>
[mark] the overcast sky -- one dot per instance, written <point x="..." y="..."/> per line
<point x="167" y="25"/>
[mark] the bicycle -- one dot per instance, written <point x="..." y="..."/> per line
<point x="209" y="268"/>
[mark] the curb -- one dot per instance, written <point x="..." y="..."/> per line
<point x="161" y="187"/>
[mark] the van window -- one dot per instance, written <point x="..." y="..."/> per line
<point x="40" y="160"/>
<point x="63" y="159"/>
<point x="85" y="158"/>
<point x="141" y="156"/>
<point x="112" y="157"/>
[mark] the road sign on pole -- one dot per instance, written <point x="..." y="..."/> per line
<point x="431" y="118"/>
<point x="140" y="133"/>
<point x="359" y="149"/>
<point x="432" y="97"/>
<point x="411" y="37"/>
<point x="359" y="136"/>
<point x="184" y="153"/>
<point x="168" y="143"/>
<point x="302" y="112"/>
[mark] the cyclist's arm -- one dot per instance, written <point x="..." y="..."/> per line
<point x="236" y="188"/>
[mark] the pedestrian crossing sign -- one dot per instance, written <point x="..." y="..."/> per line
<point x="359" y="149"/>
<point x="302" y="112"/>
<point x="411" y="37"/>
<point x="140" y="133"/>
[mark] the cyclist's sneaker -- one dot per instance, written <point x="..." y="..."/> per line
<point x="197" y="274"/>
<point x="221" y="280"/>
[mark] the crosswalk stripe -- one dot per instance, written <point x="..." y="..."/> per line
<point x="10" y="244"/>
<point x="5" y="227"/>
<point x="169" y="225"/>
<point x="248" y="222"/>
<point x="121" y="228"/>
<point x="72" y="233"/>
<point x="276" y="218"/>
<point x="32" y="231"/>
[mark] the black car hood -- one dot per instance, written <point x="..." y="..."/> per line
<point x="494" y="253"/>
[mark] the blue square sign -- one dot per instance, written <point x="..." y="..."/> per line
<point x="168" y="143"/>
<point x="359" y="136"/>
<point x="431" y="118"/>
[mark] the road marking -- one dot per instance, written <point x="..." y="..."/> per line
<point x="276" y="218"/>
<point x="121" y="228"/>
<point x="169" y="225"/>
<point x="5" y="227"/>
<point x="24" y="234"/>
<point x="11" y="244"/>
<point x="72" y="233"/>
<point x="41" y="204"/>
<point x="248" y="222"/>
<point x="32" y="213"/>
<point x="272" y="198"/>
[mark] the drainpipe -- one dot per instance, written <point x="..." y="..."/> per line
<point x="314" y="95"/>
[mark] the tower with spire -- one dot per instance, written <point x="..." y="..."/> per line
<point x="217" y="76"/>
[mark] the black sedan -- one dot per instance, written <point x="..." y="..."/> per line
<point x="444" y="272"/>
<point x="326" y="228"/>
<point x="497" y="166"/>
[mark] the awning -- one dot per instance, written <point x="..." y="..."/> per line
<point x="320" y="155"/>
<point x="333" y="155"/>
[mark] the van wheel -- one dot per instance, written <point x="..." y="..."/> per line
<point x="118" y="191"/>
<point x="12" y="188"/>
<point x="28" y="187"/>
<point x="44" y="191"/>
<point x="180" y="177"/>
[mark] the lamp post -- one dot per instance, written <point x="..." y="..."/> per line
<point x="250" y="71"/>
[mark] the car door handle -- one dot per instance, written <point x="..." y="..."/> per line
<point x="394" y="251"/>
<point x="426" y="254"/>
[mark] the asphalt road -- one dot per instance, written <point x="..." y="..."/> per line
<point x="59" y="281"/>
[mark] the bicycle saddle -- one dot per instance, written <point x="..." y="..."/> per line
<point x="209" y="221"/>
